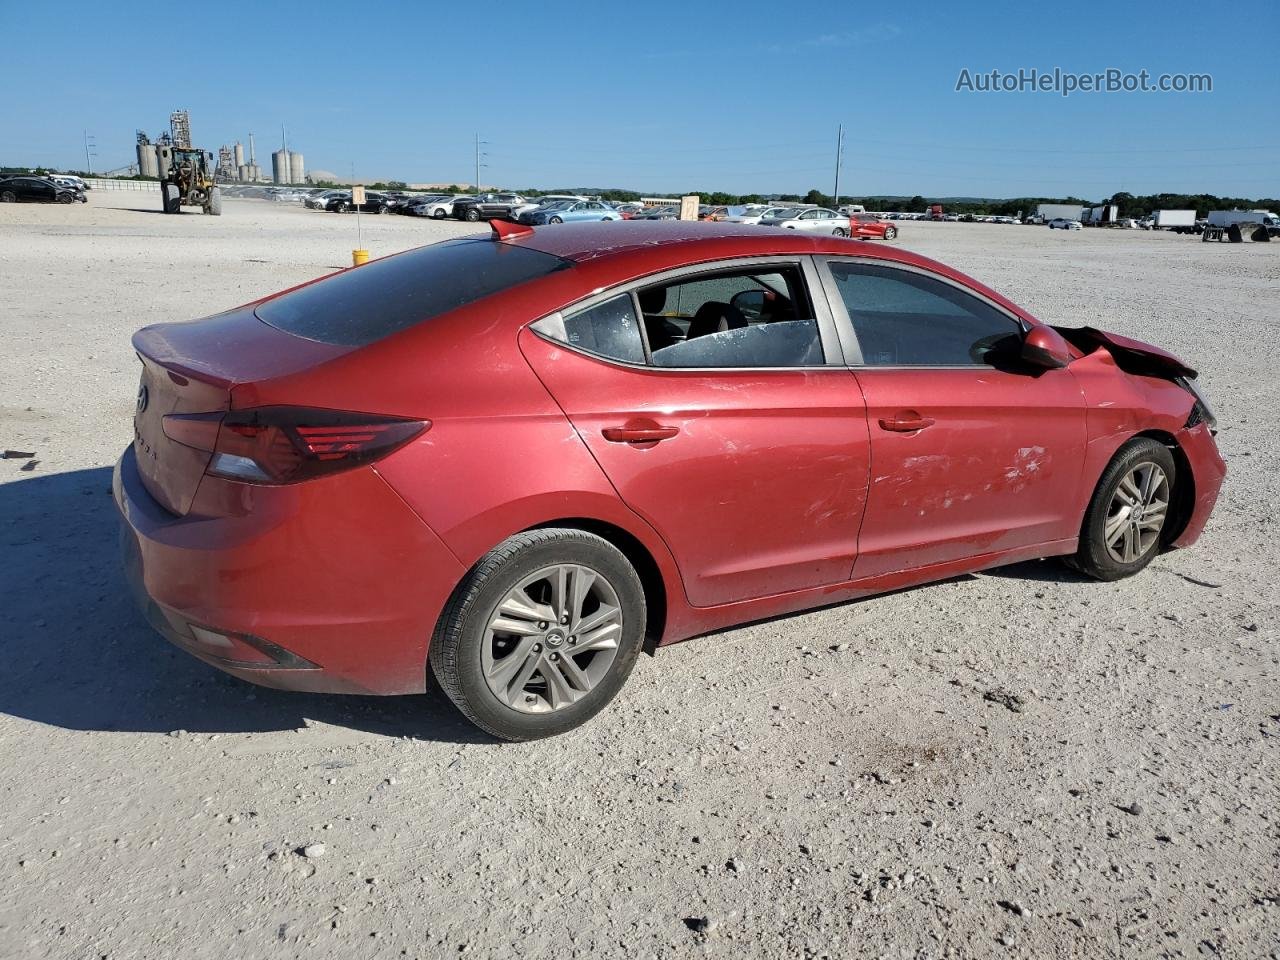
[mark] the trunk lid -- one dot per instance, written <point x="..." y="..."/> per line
<point x="194" y="368"/>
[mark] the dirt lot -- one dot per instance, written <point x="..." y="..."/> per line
<point x="1015" y="764"/>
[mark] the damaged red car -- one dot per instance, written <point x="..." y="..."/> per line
<point x="517" y="461"/>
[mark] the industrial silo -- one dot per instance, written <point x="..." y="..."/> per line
<point x="297" y="174"/>
<point x="164" y="159"/>
<point x="238" y="150"/>
<point x="147" y="165"/>
<point x="280" y="166"/>
<point x="242" y="173"/>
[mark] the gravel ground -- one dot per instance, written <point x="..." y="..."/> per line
<point x="1014" y="764"/>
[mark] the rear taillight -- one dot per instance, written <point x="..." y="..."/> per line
<point x="289" y="444"/>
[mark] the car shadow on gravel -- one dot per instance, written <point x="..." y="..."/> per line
<point x="1048" y="570"/>
<point x="76" y="654"/>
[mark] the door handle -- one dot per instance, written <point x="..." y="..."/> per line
<point x="650" y="433"/>
<point x="905" y="422"/>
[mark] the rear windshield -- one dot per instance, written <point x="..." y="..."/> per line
<point x="367" y="303"/>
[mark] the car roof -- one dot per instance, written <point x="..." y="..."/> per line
<point x="638" y="247"/>
<point x="680" y="241"/>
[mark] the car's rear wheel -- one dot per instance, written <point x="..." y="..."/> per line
<point x="1126" y="519"/>
<point x="891" y="233"/>
<point x="840" y="232"/>
<point x="541" y="635"/>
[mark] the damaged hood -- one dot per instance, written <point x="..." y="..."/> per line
<point x="1132" y="356"/>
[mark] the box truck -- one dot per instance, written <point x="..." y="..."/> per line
<point x="1179" y="221"/>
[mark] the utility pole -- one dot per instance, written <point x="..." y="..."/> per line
<point x="479" y="143"/>
<point x="88" y="157"/>
<point x="839" y="158"/>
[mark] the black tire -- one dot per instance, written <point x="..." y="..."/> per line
<point x="339" y="207"/>
<point x="171" y="199"/>
<point x="472" y="215"/>
<point x="1092" y="556"/>
<point x="456" y="646"/>
<point x="555" y="220"/>
<point x="8" y="196"/>
<point x="840" y="232"/>
<point x="438" y="213"/>
<point x="891" y="233"/>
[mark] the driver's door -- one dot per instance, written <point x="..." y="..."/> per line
<point x="972" y="452"/>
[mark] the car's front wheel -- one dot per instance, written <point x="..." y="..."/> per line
<point x="555" y="220"/>
<point x="840" y="232"/>
<point x="1126" y="519"/>
<point x="8" y="196"/>
<point x="438" y="214"/>
<point x="891" y="233"/>
<point x="473" y="214"/>
<point x="541" y="635"/>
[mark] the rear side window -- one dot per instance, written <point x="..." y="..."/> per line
<point x="367" y="303"/>
<point x="608" y="329"/>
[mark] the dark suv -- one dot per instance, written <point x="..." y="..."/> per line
<point x="487" y="206"/>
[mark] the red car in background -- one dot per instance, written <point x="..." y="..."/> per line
<point x="522" y="459"/>
<point x="864" y="226"/>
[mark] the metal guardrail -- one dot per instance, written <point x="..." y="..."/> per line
<point x="146" y="186"/>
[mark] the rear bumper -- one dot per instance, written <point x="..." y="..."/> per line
<point x="329" y="586"/>
<point x="1208" y="470"/>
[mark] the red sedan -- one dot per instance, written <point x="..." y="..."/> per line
<point x="863" y="226"/>
<point x="522" y="459"/>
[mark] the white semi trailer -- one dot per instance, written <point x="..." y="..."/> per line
<point x="1101" y="216"/>
<point x="1052" y="211"/>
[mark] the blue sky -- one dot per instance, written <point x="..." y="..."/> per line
<point x="663" y="96"/>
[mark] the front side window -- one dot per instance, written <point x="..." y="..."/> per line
<point x="902" y="318"/>
<point x="608" y="329"/>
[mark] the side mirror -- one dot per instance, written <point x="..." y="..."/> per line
<point x="1045" y="347"/>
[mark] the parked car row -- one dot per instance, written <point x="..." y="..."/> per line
<point x="33" y="189"/>
<point x="571" y="208"/>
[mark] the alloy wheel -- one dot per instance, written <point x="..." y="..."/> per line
<point x="552" y="638"/>
<point x="1137" y="513"/>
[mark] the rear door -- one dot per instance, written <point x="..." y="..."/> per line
<point x="972" y="452"/>
<point x="744" y="445"/>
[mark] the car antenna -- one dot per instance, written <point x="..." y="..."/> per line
<point x="504" y="230"/>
